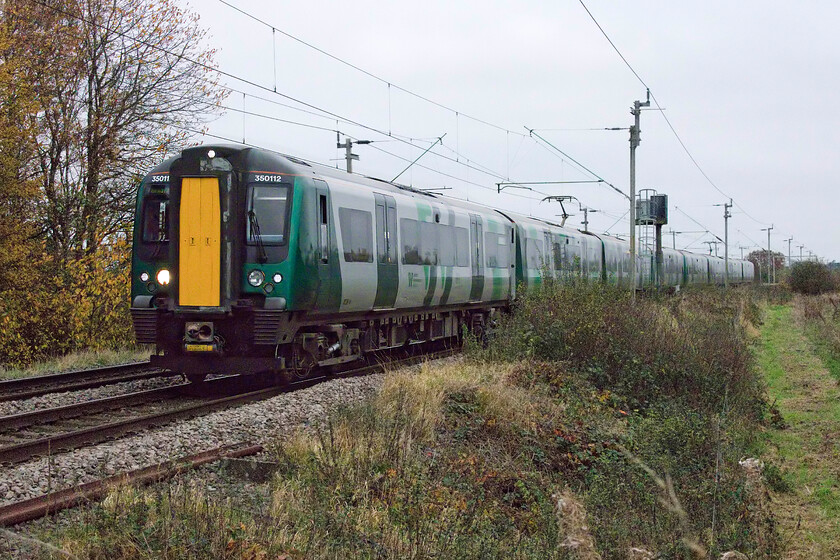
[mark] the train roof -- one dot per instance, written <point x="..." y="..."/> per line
<point x="298" y="166"/>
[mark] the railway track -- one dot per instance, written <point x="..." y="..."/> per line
<point x="28" y="387"/>
<point x="45" y="432"/>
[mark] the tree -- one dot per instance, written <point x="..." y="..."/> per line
<point x="759" y="259"/>
<point x="18" y="188"/>
<point x="126" y="81"/>
<point x="92" y="94"/>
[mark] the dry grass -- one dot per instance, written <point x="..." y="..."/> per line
<point x="77" y="360"/>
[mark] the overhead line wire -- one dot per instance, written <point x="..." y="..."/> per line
<point x="286" y="96"/>
<point x="698" y="223"/>
<point x="258" y="86"/>
<point x="391" y="84"/>
<point x="616" y="222"/>
<point x="533" y="133"/>
<point x="367" y="73"/>
<point x="227" y="139"/>
<point x="662" y="112"/>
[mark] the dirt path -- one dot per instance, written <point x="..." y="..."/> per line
<point x="808" y="450"/>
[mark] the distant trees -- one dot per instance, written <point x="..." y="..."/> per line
<point x="759" y="259"/>
<point x="92" y="94"/>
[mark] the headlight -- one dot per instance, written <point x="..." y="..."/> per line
<point x="256" y="278"/>
<point x="144" y="276"/>
<point x="278" y="277"/>
<point x="163" y="277"/>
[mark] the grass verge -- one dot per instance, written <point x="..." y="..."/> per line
<point x="77" y="360"/>
<point x="801" y="449"/>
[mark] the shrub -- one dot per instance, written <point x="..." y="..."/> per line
<point x="690" y="347"/>
<point x="679" y="372"/>
<point x="60" y="309"/>
<point x="812" y="278"/>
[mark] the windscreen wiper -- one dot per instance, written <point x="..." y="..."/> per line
<point x="255" y="235"/>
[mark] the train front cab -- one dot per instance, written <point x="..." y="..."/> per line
<point x="227" y="252"/>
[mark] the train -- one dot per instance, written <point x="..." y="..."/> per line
<point x="248" y="261"/>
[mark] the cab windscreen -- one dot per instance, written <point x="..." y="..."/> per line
<point x="268" y="209"/>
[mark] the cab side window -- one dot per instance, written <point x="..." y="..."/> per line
<point x="155" y="223"/>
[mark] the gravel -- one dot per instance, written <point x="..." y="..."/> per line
<point x="72" y="397"/>
<point x="257" y="423"/>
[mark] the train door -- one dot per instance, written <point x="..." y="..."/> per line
<point x="329" y="272"/>
<point x="200" y="249"/>
<point x="387" y="273"/>
<point x="548" y="265"/>
<point x="477" y="257"/>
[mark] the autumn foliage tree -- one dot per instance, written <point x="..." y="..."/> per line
<point x="92" y="94"/>
<point x="18" y="186"/>
<point x="138" y="83"/>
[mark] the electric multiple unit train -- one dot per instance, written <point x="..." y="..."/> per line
<point x="249" y="261"/>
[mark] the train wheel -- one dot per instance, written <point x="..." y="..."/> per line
<point x="303" y="363"/>
<point x="479" y="329"/>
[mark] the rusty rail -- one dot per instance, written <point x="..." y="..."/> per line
<point x="40" y="506"/>
<point x="56" y="443"/>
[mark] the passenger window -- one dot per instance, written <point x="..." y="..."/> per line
<point x="429" y="242"/>
<point x="410" y="241"/>
<point x="447" y="248"/>
<point x="356" y="234"/>
<point x="496" y="250"/>
<point x="534" y="253"/>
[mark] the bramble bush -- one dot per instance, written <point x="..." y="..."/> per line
<point x="811" y="278"/>
<point x="689" y="347"/>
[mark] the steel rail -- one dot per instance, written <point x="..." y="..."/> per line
<point x="48" y="415"/>
<point x="17" y="453"/>
<point x="35" y="386"/>
<point x="47" y="445"/>
<point x="40" y="506"/>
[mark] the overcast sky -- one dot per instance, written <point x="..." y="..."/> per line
<point x="749" y="86"/>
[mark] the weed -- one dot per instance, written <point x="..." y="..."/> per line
<point x="776" y="478"/>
